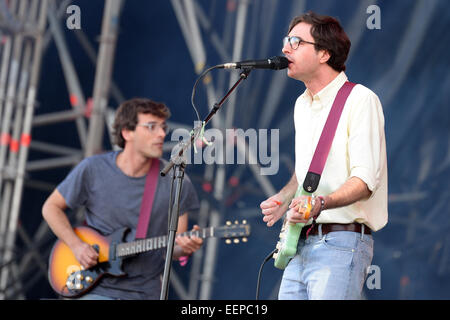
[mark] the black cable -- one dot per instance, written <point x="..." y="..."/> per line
<point x="260" y="271"/>
<point x="195" y="86"/>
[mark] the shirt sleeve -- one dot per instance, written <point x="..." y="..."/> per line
<point x="366" y="133"/>
<point x="74" y="188"/>
<point x="189" y="200"/>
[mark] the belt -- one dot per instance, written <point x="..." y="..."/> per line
<point x="332" y="227"/>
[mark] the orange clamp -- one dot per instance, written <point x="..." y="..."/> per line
<point x="14" y="146"/>
<point x="25" y="140"/>
<point x="5" y="138"/>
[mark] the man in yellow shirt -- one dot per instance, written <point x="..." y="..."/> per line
<point x="351" y="199"/>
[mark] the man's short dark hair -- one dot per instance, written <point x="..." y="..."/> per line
<point x="328" y="35"/>
<point x="127" y="115"/>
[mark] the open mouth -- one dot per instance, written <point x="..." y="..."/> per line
<point x="289" y="60"/>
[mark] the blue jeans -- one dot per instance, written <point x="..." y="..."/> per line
<point x="329" y="267"/>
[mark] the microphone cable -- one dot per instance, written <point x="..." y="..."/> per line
<point x="260" y="271"/>
<point x="204" y="73"/>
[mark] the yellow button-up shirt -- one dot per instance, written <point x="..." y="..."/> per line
<point x="358" y="150"/>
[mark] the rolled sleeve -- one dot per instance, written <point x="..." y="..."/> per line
<point x="365" y="175"/>
<point x="366" y="133"/>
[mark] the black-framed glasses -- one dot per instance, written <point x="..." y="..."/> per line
<point x="295" y="41"/>
<point x="153" y="126"/>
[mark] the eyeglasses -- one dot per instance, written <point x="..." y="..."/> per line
<point x="295" y="42"/>
<point x="153" y="126"/>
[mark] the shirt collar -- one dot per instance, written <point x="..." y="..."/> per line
<point x="326" y="95"/>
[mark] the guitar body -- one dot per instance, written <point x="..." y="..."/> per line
<point x="289" y="235"/>
<point x="287" y="245"/>
<point x="68" y="278"/>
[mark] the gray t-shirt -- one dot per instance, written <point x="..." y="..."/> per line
<point x="112" y="200"/>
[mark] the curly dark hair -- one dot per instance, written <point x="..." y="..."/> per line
<point x="328" y="35"/>
<point x="127" y="115"/>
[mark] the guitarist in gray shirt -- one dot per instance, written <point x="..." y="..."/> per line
<point x="110" y="187"/>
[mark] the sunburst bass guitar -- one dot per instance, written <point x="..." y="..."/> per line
<point x="68" y="278"/>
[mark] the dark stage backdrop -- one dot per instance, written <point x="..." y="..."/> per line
<point x="405" y="62"/>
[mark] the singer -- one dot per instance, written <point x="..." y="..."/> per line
<point x="111" y="186"/>
<point x="335" y="247"/>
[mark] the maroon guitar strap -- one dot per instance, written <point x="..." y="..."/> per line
<point x="151" y="183"/>
<point x="326" y="139"/>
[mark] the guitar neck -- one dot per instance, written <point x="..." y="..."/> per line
<point x="144" y="245"/>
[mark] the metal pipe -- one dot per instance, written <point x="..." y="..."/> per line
<point x="70" y="75"/>
<point x="103" y="75"/>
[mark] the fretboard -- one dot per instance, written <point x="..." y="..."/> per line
<point x="145" y="245"/>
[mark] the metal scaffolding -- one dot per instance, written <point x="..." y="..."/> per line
<point x="21" y="61"/>
<point x="24" y="38"/>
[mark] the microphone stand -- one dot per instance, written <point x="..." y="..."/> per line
<point x="179" y="162"/>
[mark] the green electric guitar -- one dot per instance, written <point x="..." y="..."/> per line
<point x="289" y="235"/>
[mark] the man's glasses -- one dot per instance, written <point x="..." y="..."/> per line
<point x="153" y="126"/>
<point x="295" y="42"/>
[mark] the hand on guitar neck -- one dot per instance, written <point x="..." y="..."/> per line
<point x="187" y="245"/>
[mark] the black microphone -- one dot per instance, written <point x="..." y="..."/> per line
<point x="274" y="63"/>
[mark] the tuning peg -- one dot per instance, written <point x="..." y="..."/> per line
<point x="244" y="221"/>
<point x="236" y="222"/>
<point x="244" y="239"/>
<point x="228" y="223"/>
<point x="236" y="240"/>
<point x="228" y="241"/>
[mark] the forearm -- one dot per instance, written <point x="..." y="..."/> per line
<point x="288" y="191"/>
<point x="353" y="190"/>
<point x="60" y="225"/>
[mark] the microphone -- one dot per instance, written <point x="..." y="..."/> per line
<point x="274" y="63"/>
